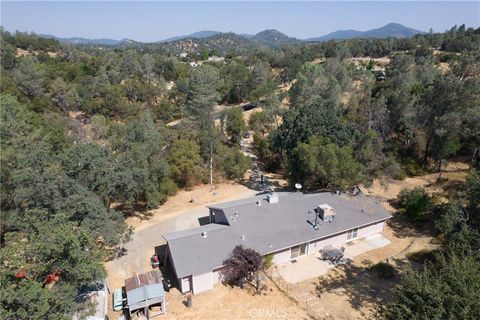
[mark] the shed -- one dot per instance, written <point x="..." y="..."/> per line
<point x="145" y="291"/>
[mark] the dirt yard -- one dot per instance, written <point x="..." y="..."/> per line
<point x="224" y="302"/>
<point x="185" y="200"/>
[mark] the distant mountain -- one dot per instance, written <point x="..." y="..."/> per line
<point x="79" y="40"/>
<point x="195" y="35"/>
<point x="394" y="30"/>
<point x="208" y="39"/>
<point x="222" y="42"/>
<point x="246" y="35"/>
<point x="273" y="37"/>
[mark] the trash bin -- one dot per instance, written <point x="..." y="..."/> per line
<point x="189" y="300"/>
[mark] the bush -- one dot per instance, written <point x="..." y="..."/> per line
<point x="267" y="261"/>
<point x="384" y="270"/>
<point x="416" y="204"/>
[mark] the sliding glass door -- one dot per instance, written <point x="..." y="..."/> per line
<point x="299" y="250"/>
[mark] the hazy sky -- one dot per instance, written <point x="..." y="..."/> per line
<point x="151" y="21"/>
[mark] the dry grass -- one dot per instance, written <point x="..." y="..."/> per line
<point x="453" y="176"/>
<point x="233" y="303"/>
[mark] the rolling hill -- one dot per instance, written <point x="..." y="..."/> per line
<point x="195" y="35"/>
<point x="390" y="30"/>
<point x="273" y="37"/>
<point x="80" y="40"/>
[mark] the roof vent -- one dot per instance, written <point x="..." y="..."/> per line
<point x="272" y="197"/>
<point x="204" y="234"/>
<point x="326" y="212"/>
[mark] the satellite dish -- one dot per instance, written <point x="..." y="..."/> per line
<point x="298" y="186"/>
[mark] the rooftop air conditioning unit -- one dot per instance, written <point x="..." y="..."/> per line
<point x="272" y="198"/>
<point x="326" y="212"/>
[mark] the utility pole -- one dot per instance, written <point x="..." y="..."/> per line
<point x="211" y="163"/>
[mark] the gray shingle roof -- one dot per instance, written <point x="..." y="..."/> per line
<point x="267" y="228"/>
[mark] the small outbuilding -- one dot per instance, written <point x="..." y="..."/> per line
<point x="145" y="293"/>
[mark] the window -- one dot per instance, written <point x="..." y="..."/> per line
<point x="352" y="233"/>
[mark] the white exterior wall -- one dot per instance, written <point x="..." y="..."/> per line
<point x="332" y="241"/>
<point x="206" y="281"/>
<point x="370" y="230"/>
<point x="202" y="282"/>
<point x="281" y="257"/>
<point x="216" y="276"/>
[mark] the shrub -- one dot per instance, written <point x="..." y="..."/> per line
<point x="267" y="261"/>
<point x="232" y="162"/>
<point x="415" y="203"/>
<point x="384" y="270"/>
<point x="243" y="266"/>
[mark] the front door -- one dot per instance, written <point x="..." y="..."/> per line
<point x="299" y="250"/>
<point x="186" y="284"/>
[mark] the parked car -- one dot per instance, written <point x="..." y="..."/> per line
<point x="117" y="299"/>
<point x="97" y="293"/>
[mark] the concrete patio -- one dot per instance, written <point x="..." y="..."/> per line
<point x="311" y="266"/>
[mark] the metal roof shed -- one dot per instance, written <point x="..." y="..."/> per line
<point x="145" y="290"/>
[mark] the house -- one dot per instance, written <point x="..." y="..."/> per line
<point x="285" y="225"/>
<point x="145" y="292"/>
<point x="216" y="59"/>
<point x="183" y="54"/>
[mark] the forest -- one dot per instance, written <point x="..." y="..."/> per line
<point x="90" y="134"/>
